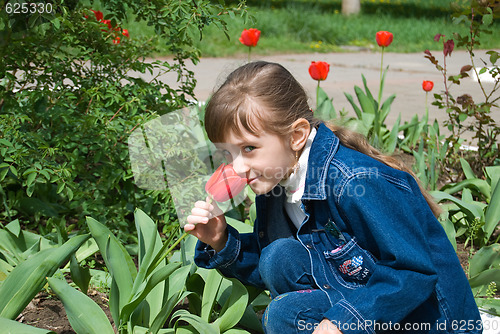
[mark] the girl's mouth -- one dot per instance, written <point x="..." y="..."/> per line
<point x="250" y="181"/>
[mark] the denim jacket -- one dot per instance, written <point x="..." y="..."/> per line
<point x="375" y="247"/>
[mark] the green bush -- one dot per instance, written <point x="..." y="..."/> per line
<point x="70" y="95"/>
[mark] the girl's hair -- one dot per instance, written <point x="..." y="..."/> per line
<point x="266" y="94"/>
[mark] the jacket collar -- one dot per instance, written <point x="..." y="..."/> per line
<point x="323" y="148"/>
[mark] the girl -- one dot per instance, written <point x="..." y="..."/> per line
<point x="345" y="240"/>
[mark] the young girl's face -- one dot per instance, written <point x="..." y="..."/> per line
<point x="264" y="160"/>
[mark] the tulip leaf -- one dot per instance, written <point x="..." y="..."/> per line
<point x="197" y="322"/>
<point x="358" y="111"/>
<point x="165" y="312"/>
<point x="324" y="109"/>
<point x="472" y="210"/>
<point x="392" y="141"/>
<point x="146" y="287"/>
<point x="210" y="292"/>
<point x="11" y="326"/>
<point x="386" y="107"/>
<point x="366" y="104"/>
<point x="492" y="215"/>
<point x="367" y="90"/>
<point x="84" y="315"/>
<point x="469" y="174"/>
<point x="27" y="278"/>
<point x="478" y="184"/>
<point x="234" y="307"/>
<point x="79" y="275"/>
<point x="485" y="278"/>
<point x="484" y="259"/>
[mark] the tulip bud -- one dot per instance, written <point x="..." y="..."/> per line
<point x="250" y="37"/>
<point x="319" y="70"/>
<point x="427" y="85"/>
<point x="384" y="38"/>
<point x="225" y="183"/>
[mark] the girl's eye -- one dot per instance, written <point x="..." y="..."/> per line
<point x="248" y="149"/>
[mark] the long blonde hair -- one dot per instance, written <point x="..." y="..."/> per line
<point x="267" y="93"/>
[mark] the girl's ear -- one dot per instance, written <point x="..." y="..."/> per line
<point x="300" y="132"/>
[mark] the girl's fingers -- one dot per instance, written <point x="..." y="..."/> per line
<point x="200" y="212"/>
<point x="204" y="205"/>
<point x="192" y="219"/>
<point x="189" y="227"/>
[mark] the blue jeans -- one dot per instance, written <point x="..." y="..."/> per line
<point x="297" y="306"/>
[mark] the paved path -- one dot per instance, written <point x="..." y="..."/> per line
<point x="404" y="78"/>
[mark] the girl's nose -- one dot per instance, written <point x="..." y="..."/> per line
<point x="240" y="166"/>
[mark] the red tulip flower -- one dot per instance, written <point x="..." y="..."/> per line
<point x="427" y="85"/>
<point x="125" y="33"/>
<point x="384" y="38"/>
<point x="250" y="37"/>
<point x="224" y="183"/>
<point x="319" y="70"/>
<point x="116" y="40"/>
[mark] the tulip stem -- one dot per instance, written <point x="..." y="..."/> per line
<point x="426" y="103"/>
<point x="165" y="253"/>
<point x="381" y="77"/>
<point x="317" y="96"/>
<point x="249" y="52"/>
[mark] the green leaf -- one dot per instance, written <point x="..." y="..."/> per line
<point x="15" y="327"/>
<point x="84" y="315"/>
<point x="210" y="292"/>
<point x="358" y="111"/>
<point x="366" y="104"/>
<point x="492" y="215"/>
<point x="234" y="307"/>
<point x="117" y="255"/>
<point x="79" y="274"/>
<point x="119" y="263"/>
<point x="30" y="179"/>
<point x="488" y="18"/>
<point x="198" y="323"/>
<point x="24" y="282"/>
<point x="166" y="310"/>
<point x="472" y="210"/>
<point x="386" y="108"/>
<point x="485" y="277"/>
<point x="157" y="277"/>
<point x="489" y="305"/>
<point x="325" y="110"/>
<point x="101" y="234"/>
<point x="469" y="174"/>
<point x="485" y="258"/>
<point x="477" y="184"/>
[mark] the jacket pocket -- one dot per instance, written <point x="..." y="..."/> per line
<point x="351" y="265"/>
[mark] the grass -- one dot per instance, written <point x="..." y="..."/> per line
<point x="303" y="26"/>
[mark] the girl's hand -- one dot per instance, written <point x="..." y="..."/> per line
<point x="208" y="224"/>
<point x="326" y="327"/>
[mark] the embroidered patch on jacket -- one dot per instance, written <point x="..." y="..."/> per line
<point x="353" y="266"/>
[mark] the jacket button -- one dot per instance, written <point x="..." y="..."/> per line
<point x="261" y="234"/>
<point x="326" y="286"/>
